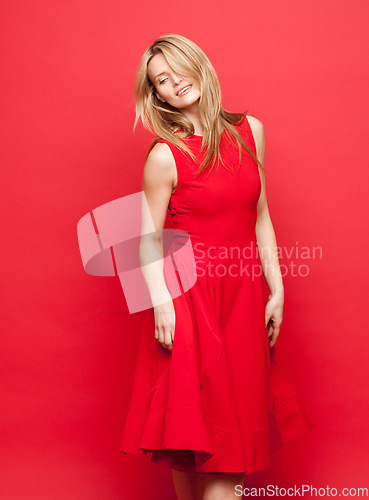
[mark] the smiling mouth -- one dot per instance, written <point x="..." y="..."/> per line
<point x="184" y="91"/>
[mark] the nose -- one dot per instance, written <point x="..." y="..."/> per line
<point x="177" y="79"/>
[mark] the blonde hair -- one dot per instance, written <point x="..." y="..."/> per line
<point x="186" y="59"/>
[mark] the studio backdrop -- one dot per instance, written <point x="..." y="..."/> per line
<point x="69" y="339"/>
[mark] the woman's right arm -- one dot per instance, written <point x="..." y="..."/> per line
<point x="157" y="184"/>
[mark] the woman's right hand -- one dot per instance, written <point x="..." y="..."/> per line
<point x="165" y="320"/>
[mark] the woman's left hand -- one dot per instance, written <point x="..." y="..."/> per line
<point x="274" y="315"/>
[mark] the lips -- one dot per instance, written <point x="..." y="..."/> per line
<point x="185" y="86"/>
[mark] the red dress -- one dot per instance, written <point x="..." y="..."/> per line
<point x="218" y="402"/>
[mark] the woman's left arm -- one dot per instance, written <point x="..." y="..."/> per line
<point x="267" y="244"/>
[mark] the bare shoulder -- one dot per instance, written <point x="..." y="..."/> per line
<point x="256" y="125"/>
<point x="160" y="155"/>
<point x="160" y="164"/>
<point x="258" y="132"/>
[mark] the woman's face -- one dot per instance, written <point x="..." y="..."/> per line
<point x="168" y="84"/>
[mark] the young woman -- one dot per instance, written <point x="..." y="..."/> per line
<point x="209" y="399"/>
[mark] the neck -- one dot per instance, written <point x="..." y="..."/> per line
<point x="193" y="114"/>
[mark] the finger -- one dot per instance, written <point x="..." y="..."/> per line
<point x="162" y="337"/>
<point x="267" y="318"/>
<point x="168" y="340"/>
<point x="274" y="338"/>
<point x="273" y="341"/>
<point x="270" y="330"/>
<point x="277" y="329"/>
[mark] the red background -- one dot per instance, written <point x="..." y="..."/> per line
<point x="68" y="344"/>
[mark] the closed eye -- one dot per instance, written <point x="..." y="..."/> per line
<point x="162" y="81"/>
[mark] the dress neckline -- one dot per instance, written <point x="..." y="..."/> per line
<point x="199" y="136"/>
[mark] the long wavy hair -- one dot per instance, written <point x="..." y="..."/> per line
<point x="188" y="60"/>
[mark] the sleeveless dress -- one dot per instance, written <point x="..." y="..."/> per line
<point x="219" y="401"/>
